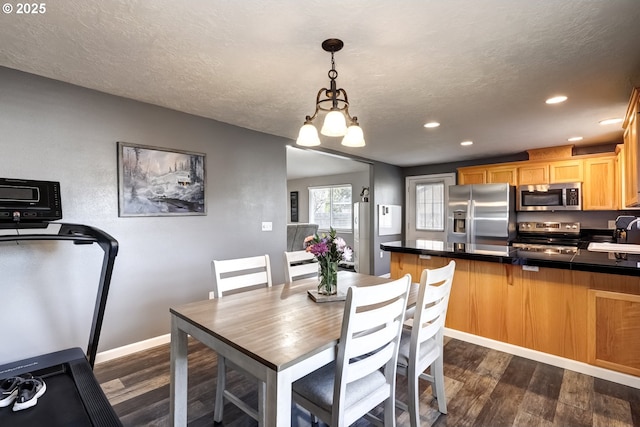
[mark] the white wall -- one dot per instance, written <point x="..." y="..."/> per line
<point x="55" y="131"/>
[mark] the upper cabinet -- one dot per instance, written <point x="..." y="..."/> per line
<point x="600" y="188"/>
<point x="566" y="171"/>
<point x="534" y="173"/>
<point x="598" y="174"/>
<point x="472" y="175"/>
<point x="488" y="175"/>
<point x="630" y="152"/>
<point x="499" y="174"/>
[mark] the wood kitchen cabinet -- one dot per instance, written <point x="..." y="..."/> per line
<point x="502" y="174"/>
<point x="485" y="299"/>
<point x="598" y="173"/>
<point x="488" y="175"/>
<point x="534" y="173"/>
<point x="584" y="316"/>
<point x="495" y="302"/>
<point x="600" y="190"/>
<point x="458" y="314"/>
<point x="472" y="175"/>
<point x="614" y="331"/>
<point x="566" y="171"/>
<point x="554" y="312"/>
<point x="631" y="152"/>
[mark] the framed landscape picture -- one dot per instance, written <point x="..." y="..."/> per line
<point x="155" y="181"/>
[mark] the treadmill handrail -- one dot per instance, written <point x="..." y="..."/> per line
<point x="84" y="234"/>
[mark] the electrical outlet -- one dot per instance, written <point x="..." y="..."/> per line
<point x="267" y="226"/>
<point x="381" y="254"/>
<point x="611" y="224"/>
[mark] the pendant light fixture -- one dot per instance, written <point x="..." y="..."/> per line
<point x="335" y="103"/>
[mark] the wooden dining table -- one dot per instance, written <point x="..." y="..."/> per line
<point x="277" y="334"/>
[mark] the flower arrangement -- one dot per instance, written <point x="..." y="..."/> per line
<point x="328" y="250"/>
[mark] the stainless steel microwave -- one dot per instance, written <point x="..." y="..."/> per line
<point x="550" y="197"/>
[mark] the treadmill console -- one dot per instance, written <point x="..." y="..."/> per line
<point x="29" y="201"/>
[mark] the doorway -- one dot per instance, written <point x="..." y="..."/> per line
<point x="426" y="206"/>
<point x="311" y="171"/>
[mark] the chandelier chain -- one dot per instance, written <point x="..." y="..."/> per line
<point x="333" y="73"/>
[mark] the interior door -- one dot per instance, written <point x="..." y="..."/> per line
<point x="433" y="226"/>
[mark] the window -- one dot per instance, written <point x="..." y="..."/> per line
<point x="330" y="207"/>
<point x="430" y="206"/>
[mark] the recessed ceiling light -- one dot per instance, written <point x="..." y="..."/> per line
<point x="432" y="125"/>
<point x="465" y="143"/>
<point x="575" y="138"/>
<point x="556" y="99"/>
<point x="610" y="121"/>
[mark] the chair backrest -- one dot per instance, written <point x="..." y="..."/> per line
<point x="431" y="307"/>
<point x="369" y="341"/>
<point x="232" y="274"/>
<point x="298" y="264"/>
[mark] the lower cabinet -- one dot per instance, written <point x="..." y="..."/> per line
<point x="554" y="312"/>
<point x="614" y="331"/>
<point x="588" y="317"/>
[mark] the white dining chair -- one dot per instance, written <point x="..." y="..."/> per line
<point x="299" y="264"/>
<point x="237" y="275"/>
<point x="364" y="372"/>
<point x="421" y="346"/>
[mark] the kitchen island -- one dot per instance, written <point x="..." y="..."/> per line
<point x="582" y="260"/>
<point x="584" y="306"/>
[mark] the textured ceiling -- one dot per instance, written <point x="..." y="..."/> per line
<point x="482" y="68"/>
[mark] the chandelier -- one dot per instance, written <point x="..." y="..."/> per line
<point x="335" y="103"/>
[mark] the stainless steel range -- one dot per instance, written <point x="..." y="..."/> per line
<point x="552" y="238"/>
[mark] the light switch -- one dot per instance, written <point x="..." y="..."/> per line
<point x="267" y="226"/>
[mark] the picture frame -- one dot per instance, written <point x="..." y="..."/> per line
<point x="293" y="197"/>
<point x="155" y="181"/>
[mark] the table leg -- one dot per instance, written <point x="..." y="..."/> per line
<point x="178" y="397"/>
<point x="278" y="398"/>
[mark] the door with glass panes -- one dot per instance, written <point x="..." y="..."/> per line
<point x="426" y="206"/>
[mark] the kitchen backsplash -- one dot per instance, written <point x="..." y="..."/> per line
<point x="587" y="219"/>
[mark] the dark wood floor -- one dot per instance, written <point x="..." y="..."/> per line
<point x="484" y="388"/>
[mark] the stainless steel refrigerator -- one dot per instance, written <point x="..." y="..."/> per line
<point x="481" y="213"/>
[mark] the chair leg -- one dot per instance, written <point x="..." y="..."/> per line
<point x="262" y="403"/>
<point x="390" y="410"/>
<point x="220" y="387"/>
<point x="414" y="397"/>
<point x="438" y="384"/>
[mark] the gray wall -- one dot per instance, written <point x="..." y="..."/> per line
<point x="55" y="131"/>
<point x="388" y="189"/>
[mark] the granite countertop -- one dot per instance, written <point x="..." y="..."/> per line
<point x="583" y="260"/>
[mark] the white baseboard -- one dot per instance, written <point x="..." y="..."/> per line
<point x="126" y="350"/>
<point x="538" y="356"/>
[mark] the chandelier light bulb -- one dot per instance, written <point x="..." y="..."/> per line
<point x="334" y="124"/>
<point x="308" y="136"/>
<point x="354" y="137"/>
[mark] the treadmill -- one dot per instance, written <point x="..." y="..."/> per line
<point x="73" y="396"/>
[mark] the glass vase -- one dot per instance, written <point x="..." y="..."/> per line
<point x="327" y="277"/>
